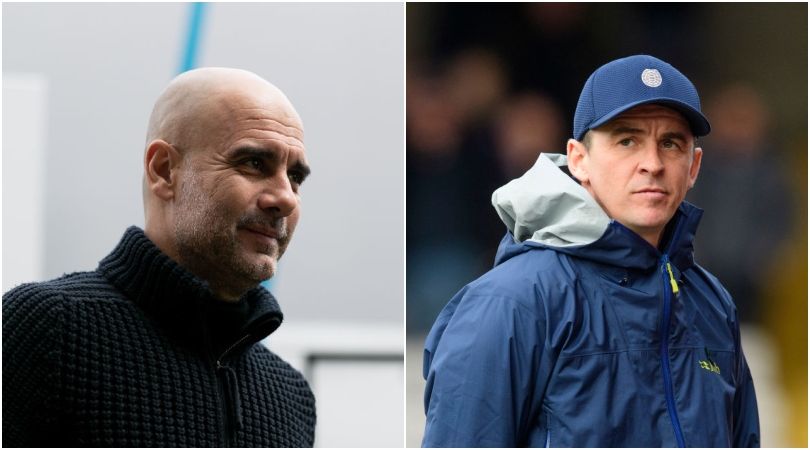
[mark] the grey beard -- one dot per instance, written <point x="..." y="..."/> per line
<point x="208" y="246"/>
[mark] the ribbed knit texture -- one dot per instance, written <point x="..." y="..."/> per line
<point x="127" y="356"/>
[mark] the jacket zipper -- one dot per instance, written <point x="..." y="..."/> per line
<point x="228" y="393"/>
<point x="209" y="350"/>
<point x="224" y="399"/>
<point x="225" y="429"/>
<point x="670" y="289"/>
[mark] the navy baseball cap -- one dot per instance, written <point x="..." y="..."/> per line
<point x="636" y="80"/>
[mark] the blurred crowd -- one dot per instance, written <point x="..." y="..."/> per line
<point x="490" y="87"/>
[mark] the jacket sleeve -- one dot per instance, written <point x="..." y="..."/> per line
<point x="30" y="366"/>
<point x="746" y="415"/>
<point x="485" y="372"/>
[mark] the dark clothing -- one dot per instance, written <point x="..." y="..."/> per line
<point x="139" y="353"/>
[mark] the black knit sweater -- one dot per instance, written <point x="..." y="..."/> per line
<point x="140" y="354"/>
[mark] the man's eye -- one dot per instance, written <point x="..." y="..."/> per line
<point x="668" y="144"/>
<point x="255" y="163"/>
<point x="626" y="142"/>
<point x="296" y="177"/>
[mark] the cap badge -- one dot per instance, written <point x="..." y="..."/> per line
<point x="651" y="77"/>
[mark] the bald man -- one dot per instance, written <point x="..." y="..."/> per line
<point x="159" y="346"/>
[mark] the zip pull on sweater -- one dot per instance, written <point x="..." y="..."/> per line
<point x="233" y="401"/>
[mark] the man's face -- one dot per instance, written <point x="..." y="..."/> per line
<point x="638" y="167"/>
<point x="239" y="201"/>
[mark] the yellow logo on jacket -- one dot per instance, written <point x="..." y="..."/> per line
<point x="710" y="366"/>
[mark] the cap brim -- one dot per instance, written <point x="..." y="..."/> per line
<point x="697" y="121"/>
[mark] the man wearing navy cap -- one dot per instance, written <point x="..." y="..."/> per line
<point x="596" y="327"/>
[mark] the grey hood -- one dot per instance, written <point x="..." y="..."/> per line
<point x="548" y="207"/>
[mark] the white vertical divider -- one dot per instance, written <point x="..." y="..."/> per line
<point x="24" y="140"/>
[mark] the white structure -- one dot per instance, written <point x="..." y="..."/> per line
<point x="357" y="374"/>
<point x="23" y="178"/>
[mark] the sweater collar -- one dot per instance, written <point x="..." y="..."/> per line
<point x="184" y="303"/>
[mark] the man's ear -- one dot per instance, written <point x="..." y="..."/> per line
<point x="577" y="160"/>
<point x="160" y="168"/>
<point x="694" y="169"/>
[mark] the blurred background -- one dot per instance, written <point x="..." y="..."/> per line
<point x="79" y="81"/>
<point x="490" y="86"/>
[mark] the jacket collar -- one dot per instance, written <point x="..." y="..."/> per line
<point x="546" y="208"/>
<point x="183" y="303"/>
<point x="620" y="246"/>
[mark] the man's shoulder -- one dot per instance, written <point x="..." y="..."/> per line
<point x="712" y="288"/>
<point x="70" y="288"/>
<point x="268" y="359"/>
<point x="280" y="372"/>
<point x="532" y="272"/>
<point x="33" y="311"/>
<point x="533" y="282"/>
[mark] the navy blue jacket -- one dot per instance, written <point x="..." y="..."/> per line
<point x="611" y="343"/>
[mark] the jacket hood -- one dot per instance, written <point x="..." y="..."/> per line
<point x="547" y="208"/>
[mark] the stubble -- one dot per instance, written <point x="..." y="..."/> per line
<point x="208" y="245"/>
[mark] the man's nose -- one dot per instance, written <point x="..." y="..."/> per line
<point x="651" y="159"/>
<point x="278" y="197"/>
